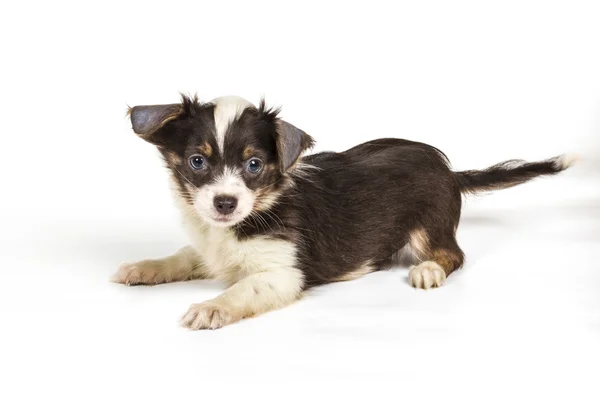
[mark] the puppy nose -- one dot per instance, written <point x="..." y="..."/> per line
<point x="225" y="204"/>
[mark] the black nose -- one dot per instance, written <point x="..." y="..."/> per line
<point x="225" y="204"/>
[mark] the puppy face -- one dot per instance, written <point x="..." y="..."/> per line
<point x="229" y="158"/>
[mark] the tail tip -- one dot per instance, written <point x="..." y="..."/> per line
<point x="565" y="161"/>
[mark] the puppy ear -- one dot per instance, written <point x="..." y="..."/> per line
<point x="291" y="142"/>
<point x="146" y="120"/>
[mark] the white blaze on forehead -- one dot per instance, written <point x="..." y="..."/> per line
<point x="227" y="109"/>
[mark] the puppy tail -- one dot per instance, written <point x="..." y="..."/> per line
<point x="511" y="173"/>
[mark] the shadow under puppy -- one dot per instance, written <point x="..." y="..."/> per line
<point x="272" y="223"/>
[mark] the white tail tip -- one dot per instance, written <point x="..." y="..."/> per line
<point x="567" y="160"/>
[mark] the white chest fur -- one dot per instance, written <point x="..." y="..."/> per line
<point x="229" y="259"/>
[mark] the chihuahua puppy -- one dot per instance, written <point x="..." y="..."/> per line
<point x="271" y="222"/>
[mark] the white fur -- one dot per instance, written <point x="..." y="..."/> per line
<point x="251" y="296"/>
<point x="185" y="264"/>
<point x="418" y="243"/>
<point x="227" y="109"/>
<point x="565" y="161"/>
<point x="261" y="272"/>
<point x="230" y="183"/>
<point x="426" y="275"/>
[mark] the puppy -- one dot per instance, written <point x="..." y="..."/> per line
<point x="271" y="223"/>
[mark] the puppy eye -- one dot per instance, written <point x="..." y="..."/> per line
<point x="255" y="165"/>
<point x="198" y="162"/>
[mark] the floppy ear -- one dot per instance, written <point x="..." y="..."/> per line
<point x="146" y="120"/>
<point x="291" y="142"/>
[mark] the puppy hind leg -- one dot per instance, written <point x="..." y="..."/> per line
<point x="184" y="265"/>
<point x="440" y="255"/>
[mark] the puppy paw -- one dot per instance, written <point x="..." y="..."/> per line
<point x="208" y="315"/>
<point x="426" y="275"/>
<point x="140" y="273"/>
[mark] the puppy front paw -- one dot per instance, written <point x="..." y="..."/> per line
<point x="140" y="273"/>
<point x="208" y="315"/>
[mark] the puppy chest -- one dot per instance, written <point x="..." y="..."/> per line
<point x="221" y="253"/>
<point x="230" y="259"/>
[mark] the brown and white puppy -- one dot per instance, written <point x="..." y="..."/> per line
<point x="272" y="223"/>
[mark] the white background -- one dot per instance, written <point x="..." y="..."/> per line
<point x="484" y="81"/>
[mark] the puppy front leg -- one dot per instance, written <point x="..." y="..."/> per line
<point x="184" y="265"/>
<point x="251" y="296"/>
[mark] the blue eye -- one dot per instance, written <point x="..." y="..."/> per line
<point x="198" y="162"/>
<point x="255" y="165"/>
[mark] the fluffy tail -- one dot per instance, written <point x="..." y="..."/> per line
<point x="510" y="173"/>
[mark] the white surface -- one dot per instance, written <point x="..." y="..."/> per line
<point x="483" y="82"/>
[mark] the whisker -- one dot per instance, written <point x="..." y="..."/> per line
<point x="264" y="222"/>
<point x="260" y="221"/>
<point x="184" y="177"/>
<point x="253" y="218"/>
<point x="275" y="218"/>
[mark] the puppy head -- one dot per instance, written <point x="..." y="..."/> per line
<point x="228" y="157"/>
